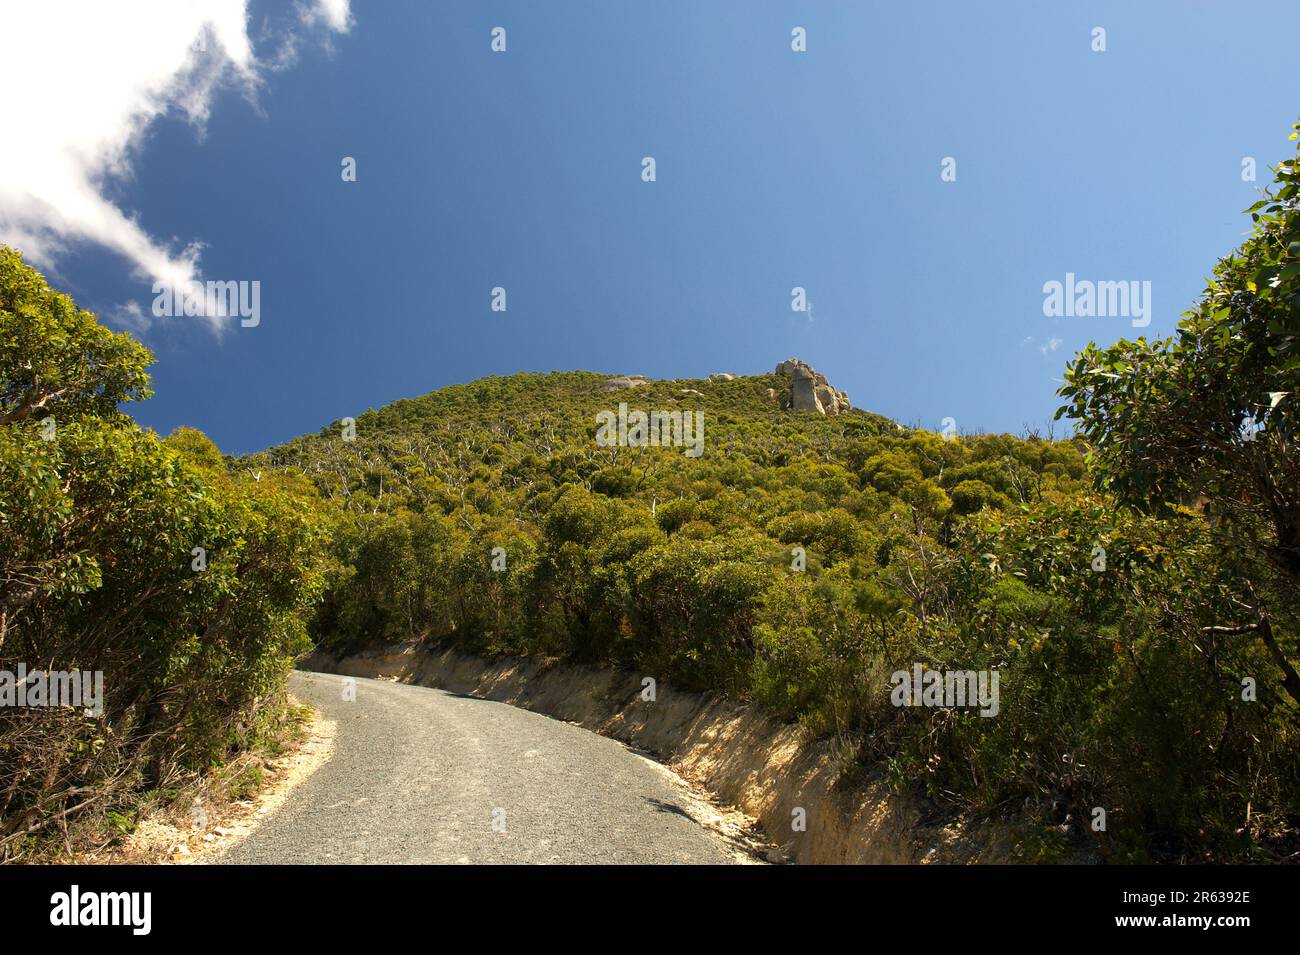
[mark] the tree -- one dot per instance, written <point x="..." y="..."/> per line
<point x="1208" y="418"/>
<point x="186" y="586"/>
<point x="54" y="355"/>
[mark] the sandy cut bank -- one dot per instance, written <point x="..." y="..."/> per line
<point x="767" y="769"/>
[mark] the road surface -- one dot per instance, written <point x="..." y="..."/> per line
<point x="420" y="775"/>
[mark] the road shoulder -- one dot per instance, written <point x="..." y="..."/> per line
<point x="212" y="824"/>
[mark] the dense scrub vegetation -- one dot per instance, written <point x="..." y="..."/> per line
<point x="99" y="525"/>
<point x="973" y="553"/>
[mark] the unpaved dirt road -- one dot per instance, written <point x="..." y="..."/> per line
<point x="420" y="775"/>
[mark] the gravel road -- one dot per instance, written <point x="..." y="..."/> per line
<point x="420" y="775"/>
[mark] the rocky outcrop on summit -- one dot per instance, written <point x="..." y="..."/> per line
<point x="623" y="382"/>
<point x="810" y="389"/>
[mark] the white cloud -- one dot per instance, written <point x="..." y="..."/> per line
<point x="333" y="13"/>
<point x="85" y="80"/>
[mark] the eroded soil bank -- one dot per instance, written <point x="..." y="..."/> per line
<point x="767" y="769"/>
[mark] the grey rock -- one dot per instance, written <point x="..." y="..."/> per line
<point x="805" y="395"/>
<point x="811" y="391"/>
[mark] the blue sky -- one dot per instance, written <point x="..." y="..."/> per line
<point x="775" y="169"/>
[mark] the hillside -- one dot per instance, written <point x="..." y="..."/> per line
<point x="526" y="434"/>
<point x="802" y="561"/>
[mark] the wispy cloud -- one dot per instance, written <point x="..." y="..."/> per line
<point x="86" y="79"/>
<point x="333" y="13"/>
<point x="1047" y="347"/>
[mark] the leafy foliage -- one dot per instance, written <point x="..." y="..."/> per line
<point x="54" y="356"/>
<point x="1209" y="418"/>
<point x="99" y="522"/>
